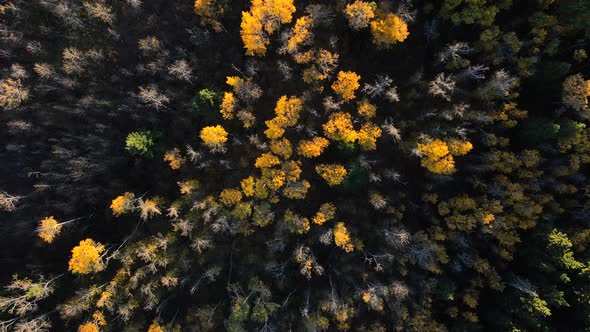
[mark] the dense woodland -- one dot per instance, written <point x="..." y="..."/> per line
<point x="281" y="165"/>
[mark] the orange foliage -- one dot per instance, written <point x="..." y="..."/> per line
<point x="86" y="257"/>
<point x="213" y="136"/>
<point x="49" y="229"/>
<point x="346" y="84"/>
<point x="334" y="174"/>
<point x="313" y="148"/>
<point x="389" y="31"/>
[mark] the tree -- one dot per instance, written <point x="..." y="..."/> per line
<point x="359" y="14"/>
<point x="210" y="11"/>
<point x="436" y="157"/>
<point x="140" y="143"/>
<point x="334" y="174"/>
<point x="230" y="197"/>
<point x="213" y="136"/>
<point x="389" y="30"/>
<point x="576" y="92"/>
<point x="12" y="94"/>
<point x="86" y="257"/>
<point x="228" y="105"/>
<point x="342" y="237"/>
<point x="312" y="148"/>
<point x="49" y="229"/>
<point x="123" y="204"/>
<point x="347" y="82"/>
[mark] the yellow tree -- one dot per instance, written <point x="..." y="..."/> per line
<point x="389" y="30"/>
<point x="339" y="128"/>
<point x="368" y="135"/>
<point x="436" y="157"/>
<point x="359" y="14"/>
<point x="230" y="197"/>
<point x="334" y="174"/>
<point x="342" y="237"/>
<point x="327" y="212"/>
<point x="214" y="136"/>
<point x="123" y="203"/>
<point x="301" y="34"/>
<point x="228" y="106"/>
<point x="174" y="158"/>
<point x="312" y="148"/>
<point x="86" y="257"/>
<point x="48" y="229"/>
<point x="12" y="94"/>
<point x="346" y="84"/>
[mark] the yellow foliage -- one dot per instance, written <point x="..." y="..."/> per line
<point x="346" y="84"/>
<point x="275" y="129"/>
<point x="263" y="14"/>
<point x="389" y="31"/>
<point x="292" y="170"/>
<point x="304" y="57"/>
<point x="281" y="147"/>
<point x="359" y="14"/>
<point x="248" y="186"/>
<point x="273" y="178"/>
<point x="99" y="318"/>
<point x="368" y="136"/>
<point x="488" y="219"/>
<point x="122" y="204"/>
<point x="342" y="237"/>
<point x="312" y="148"/>
<point x="49" y="229"/>
<point x="327" y="212"/>
<point x="186" y="187"/>
<point x="255" y="40"/>
<point x="12" y="93"/>
<point x="86" y="257"/>
<point x="334" y="174"/>
<point x="230" y="197"/>
<point x="266" y="160"/>
<point x="287" y="110"/>
<point x="339" y="127"/>
<point x="155" y="327"/>
<point x="436" y="157"/>
<point x="576" y="92"/>
<point x="228" y="106"/>
<point x="459" y="147"/>
<point x="174" y="159"/>
<point x="301" y="33"/>
<point x="88" y="327"/>
<point x="366" y="109"/>
<point x="213" y="136"/>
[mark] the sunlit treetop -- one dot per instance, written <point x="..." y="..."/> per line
<point x="213" y="136"/>
<point x="122" y="204"/>
<point x="48" y="229"/>
<point x="86" y="257"/>
<point x="436" y="157"/>
<point x="267" y="160"/>
<point x="89" y="327"/>
<point x="174" y="158"/>
<point x="247" y="185"/>
<point x="230" y="197"/>
<point x="389" y="31"/>
<point x="301" y="33"/>
<point x="366" y="109"/>
<point x="327" y="212"/>
<point x="368" y="135"/>
<point x="346" y="84"/>
<point x="459" y="147"/>
<point x="155" y="327"/>
<point x="264" y="17"/>
<point x="334" y="174"/>
<point x="339" y="128"/>
<point x="312" y="148"/>
<point x="281" y="147"/>
<point x="12" y="93"/>
<point x="359" y="14"/>
<point x="342" y="237"/>
<point x="228" y="105"/>
<point x="287" y="110"/>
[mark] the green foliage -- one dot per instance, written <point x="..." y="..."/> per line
<point x="206" y="101"/>
<point x="140" y="143"/>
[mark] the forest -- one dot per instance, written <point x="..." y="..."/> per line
<point x="294" y="165"/>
